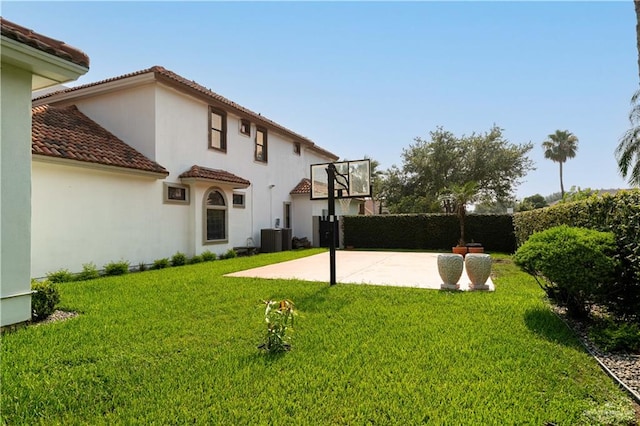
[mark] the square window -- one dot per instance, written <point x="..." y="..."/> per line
<point x="176" y="194"/>
<point x="245" y="127"/>
<point x="238" y="199"/>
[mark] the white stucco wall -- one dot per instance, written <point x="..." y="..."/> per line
<point x="15" y="202"/>
<point x="85" y="215"/>
<point x="81" y="215"/>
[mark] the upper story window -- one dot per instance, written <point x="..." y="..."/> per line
<point x="245" y="127"/>
<point x="296" y="148"/>
<point x="261" y="144"/>
<point x="217" y="129"/>
<point x="215" y="217"/>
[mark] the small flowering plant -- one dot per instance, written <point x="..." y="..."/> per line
<point x="279" y="318"/>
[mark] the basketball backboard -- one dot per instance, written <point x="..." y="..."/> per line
<point x="353" y="179"/>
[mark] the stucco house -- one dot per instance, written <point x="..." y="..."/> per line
<point x="141" y="166"/>
<point x="29" y="61"/>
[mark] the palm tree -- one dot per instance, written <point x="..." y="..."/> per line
<point x="456" y="197"/>
<point x="628" y="150"/>
<point x="558" y="147"/>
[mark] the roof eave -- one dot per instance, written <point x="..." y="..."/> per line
<point x="48" y="69"/>
<point x="234" y="185"/>
<point x="97" y="166"/>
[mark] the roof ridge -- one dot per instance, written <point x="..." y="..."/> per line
<point x="163" y="74"/>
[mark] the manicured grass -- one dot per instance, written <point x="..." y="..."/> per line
<point x="179" y="346"/>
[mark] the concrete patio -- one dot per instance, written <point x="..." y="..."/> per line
<point x="402" y="269"/>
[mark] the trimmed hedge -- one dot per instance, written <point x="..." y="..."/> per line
<point x="619" y="214"/>
<point x="428" y="231"/>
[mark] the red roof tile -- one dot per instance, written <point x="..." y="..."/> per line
<point x="304" y="187"/>
<point x="65" y="132"/>
<point x="189" y="86"/>
<point x="199" y="172"/>
<point x="43" y="43"/>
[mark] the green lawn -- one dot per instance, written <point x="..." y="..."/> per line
<point x="179" y="346"/>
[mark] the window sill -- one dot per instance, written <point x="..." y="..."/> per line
<point x="213" y="242"/>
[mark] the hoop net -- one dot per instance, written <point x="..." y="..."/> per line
<point x="344" y="205"/>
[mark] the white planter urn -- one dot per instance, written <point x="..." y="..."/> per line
<point x="478" y="267"/>
<point x="450" y="269"/>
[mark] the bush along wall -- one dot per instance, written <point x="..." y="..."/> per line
<point x="619" y="214"/>
<point x="428" y="231"/>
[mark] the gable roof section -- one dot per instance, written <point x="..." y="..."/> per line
<point x="66" y="133"/>
<point x="192" y="88"/>
<point x="43" y="43"/>
<point x="303" y="187"/>
<point x="214" y="175"/>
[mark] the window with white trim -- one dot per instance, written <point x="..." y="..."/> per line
<point x="215" y="216"/>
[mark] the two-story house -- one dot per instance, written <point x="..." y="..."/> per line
<point x="141" y="166"/>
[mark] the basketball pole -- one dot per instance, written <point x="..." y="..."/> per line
<point x="331" y="172"/>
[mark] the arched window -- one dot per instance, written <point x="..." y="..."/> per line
<point x="215" y="216"/>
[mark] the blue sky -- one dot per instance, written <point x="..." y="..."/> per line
<point x="366" y="78"/>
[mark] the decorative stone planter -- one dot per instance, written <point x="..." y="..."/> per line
<point x="450" y="269"/>
<point x="478" y="267"/>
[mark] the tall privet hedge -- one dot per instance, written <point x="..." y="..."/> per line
<point x="619" y="214"/>
<point x="428" y="231"/>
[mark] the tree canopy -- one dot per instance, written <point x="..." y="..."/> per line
<point x="434" y="165"/>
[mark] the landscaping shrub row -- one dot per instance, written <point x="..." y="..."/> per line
<point x="618" y="214"/>
<point x="428" y="231"/>
<point x="90" y="271"/>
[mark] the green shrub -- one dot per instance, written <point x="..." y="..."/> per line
<point x="195" y="259"/>
<point x="116" y="268"/>
<point x="160" y="263"/>
<point x="229" y="254"/>
<point x="616" y="336"/>
<point x="208" y="256"/>
<point x="44" y="299"/>
<point x="620" y="214"/>
<point x="60" y="276"/>
<point x="89" y="272"/>
<point x="574" y="264"/>
<point x="178" y="259"/>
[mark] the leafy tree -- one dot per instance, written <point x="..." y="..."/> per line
<point x="533" y="202"/>
<point x="432" y="165"/>
<point x="560" y="146"/>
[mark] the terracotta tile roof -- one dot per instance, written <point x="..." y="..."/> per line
<point x="199" y="172"/>
<point x="189" y="86"/>
<point x="65" y="132"/>
<point x="43" y="43"/>
<point x="304" y="187"/>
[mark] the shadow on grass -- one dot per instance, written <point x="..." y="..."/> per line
<point x="546" y="324"/>
<point x="319" y="301"/>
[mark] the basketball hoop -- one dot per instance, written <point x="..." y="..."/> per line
<point x="344" y="206"/>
